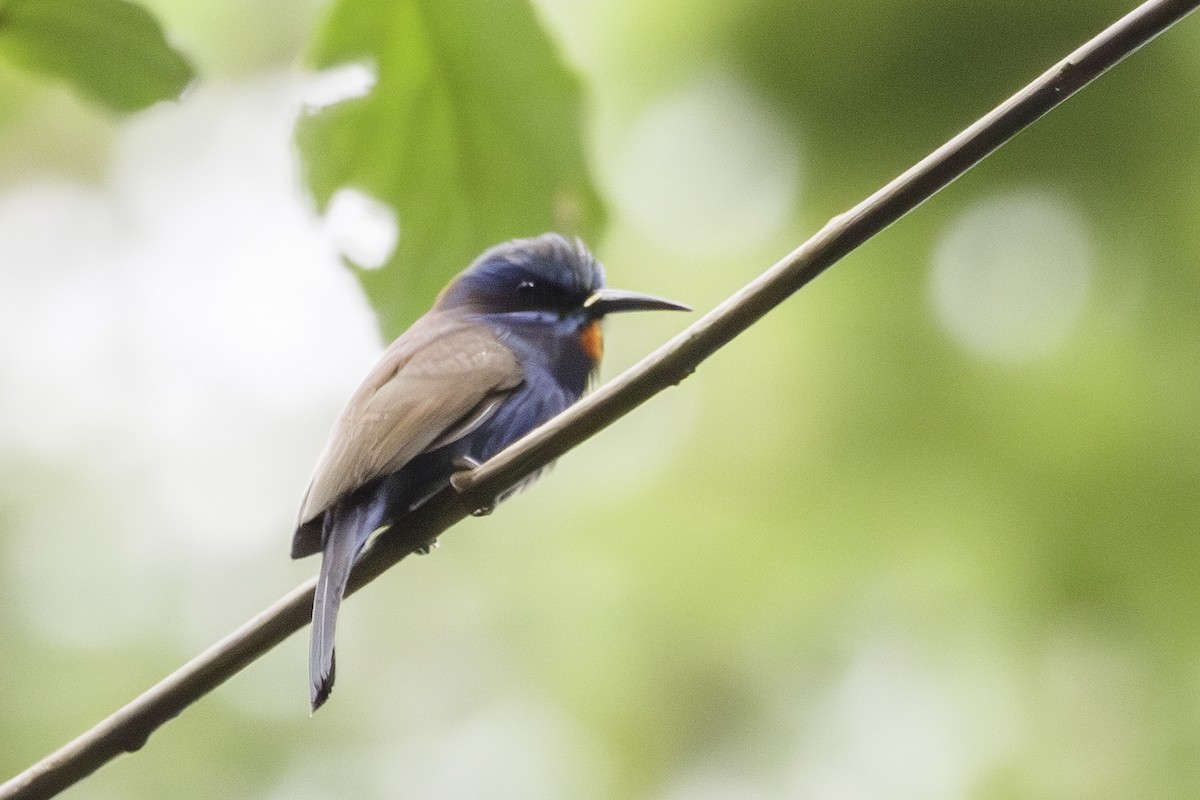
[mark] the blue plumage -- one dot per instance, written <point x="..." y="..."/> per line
<point x="510" y="343"/>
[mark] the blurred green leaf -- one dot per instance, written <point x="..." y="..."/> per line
<point x="472" y="133"/>
<point x="110" y="50"/>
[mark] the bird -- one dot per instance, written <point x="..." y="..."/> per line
<point x="510" y="342"/>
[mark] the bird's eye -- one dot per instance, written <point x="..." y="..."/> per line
<point x="529" y="293"/>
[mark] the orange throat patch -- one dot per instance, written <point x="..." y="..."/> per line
<point x="591" y="340"/>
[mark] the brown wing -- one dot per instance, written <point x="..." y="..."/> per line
<point x="429" y="381"/>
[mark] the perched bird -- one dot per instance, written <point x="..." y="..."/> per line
<point x="510" y="342"/>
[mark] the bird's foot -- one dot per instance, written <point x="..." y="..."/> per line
<point x="427" y="548"/>
<point x="465" y="465"/>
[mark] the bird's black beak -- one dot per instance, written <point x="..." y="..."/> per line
<point x="611" y="301"/>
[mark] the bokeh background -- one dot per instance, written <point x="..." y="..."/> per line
<point x="927" y="531"/>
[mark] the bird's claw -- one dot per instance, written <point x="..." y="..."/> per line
<point x="427" y="548"/>
<point x="465" y="465"/>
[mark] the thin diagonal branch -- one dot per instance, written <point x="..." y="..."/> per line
<point x="128" y="728"/>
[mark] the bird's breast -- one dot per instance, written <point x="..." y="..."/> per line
<point x="564" y="350"/>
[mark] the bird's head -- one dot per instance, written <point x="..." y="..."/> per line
<point x="546" y="278"/>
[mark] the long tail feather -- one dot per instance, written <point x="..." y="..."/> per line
<point x="346" y="531"/>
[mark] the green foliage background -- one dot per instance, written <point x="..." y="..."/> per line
<point x="849" y="557"/>
<point x="473" y="131"/>
<point x="113" y="51"/>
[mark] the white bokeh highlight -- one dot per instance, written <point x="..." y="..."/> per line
<point x="168" y="332"/>
<point x="363" y="229"/>
<point x="886" y="729"/>
<point x="1010" y="279"/>
<point x="338" y="84"/>
<point x="706" y="170"/>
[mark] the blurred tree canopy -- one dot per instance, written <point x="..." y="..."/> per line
<point x="929" y="530"/>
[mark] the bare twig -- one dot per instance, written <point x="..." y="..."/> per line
<point x="128" y="728"/>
